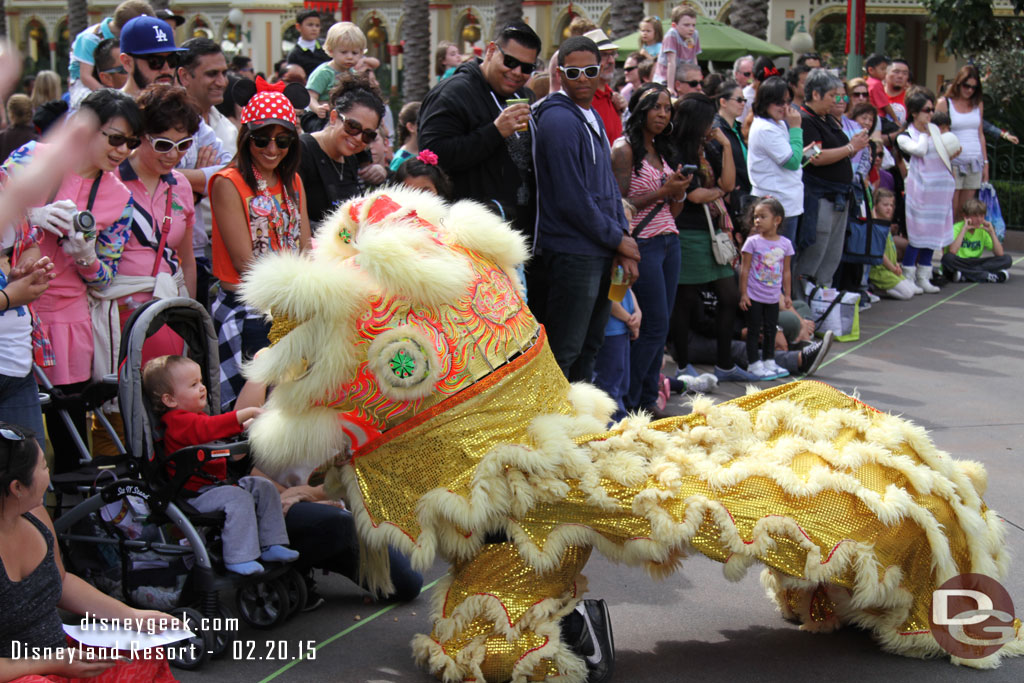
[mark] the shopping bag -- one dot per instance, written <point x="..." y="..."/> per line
<point x="834" y="310"/>
<point x="865" y="240"/>
<point x="993" y="214"/>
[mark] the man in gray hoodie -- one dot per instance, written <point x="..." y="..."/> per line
<point x="582" y="233"/>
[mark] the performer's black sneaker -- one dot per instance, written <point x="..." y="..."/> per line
<point x="588" y="632"/>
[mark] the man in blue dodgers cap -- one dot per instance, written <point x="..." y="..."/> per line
<point x="148" y="53"/>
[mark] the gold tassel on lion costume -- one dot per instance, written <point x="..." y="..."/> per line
<point x="404" y="338"/>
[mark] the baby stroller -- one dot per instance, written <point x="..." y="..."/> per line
<point x="137" y="534"/>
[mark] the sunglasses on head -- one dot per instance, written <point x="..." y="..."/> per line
<point x="356" y="129"/>
<point x="156" y="62"/>
<point x="116" y="140"/>
<point x="282" y="140"/>
<point x="574" y="72"/>
<point x="164" y="145"/>
<point x="511" y="62"/>
<point x="11" y="435"/>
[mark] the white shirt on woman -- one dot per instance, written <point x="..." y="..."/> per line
<point x="768" y="148"/>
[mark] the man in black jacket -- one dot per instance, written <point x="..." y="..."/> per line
<point x="482" y="142"/>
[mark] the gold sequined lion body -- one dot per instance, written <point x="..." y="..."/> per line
<point x="404" y="340"/>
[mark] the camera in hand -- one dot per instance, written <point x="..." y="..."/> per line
<point x="85" y="223"/>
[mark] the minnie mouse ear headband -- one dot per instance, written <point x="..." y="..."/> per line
<point x="264" y="104"/>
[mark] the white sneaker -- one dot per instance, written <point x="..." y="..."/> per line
<point x="702" y="384"/>
<point x="758" y="370"/>
<point x="775" y="370"/>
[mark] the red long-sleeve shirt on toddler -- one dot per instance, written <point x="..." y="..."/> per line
<point x="183" y="429"/>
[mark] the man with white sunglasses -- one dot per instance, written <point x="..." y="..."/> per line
<point x="581" y="228"/>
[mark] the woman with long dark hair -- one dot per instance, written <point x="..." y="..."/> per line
<point x="259" y="206"/>
<point x="640" y="162"/>
<point x="693" y="126"/>
<point x="731" y="102"/>
<point x="332" y="157"/>
<point x="966" y="112"/>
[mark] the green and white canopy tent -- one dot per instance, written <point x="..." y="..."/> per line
<point x="718" y="42"/>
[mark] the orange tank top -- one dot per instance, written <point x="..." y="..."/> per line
<point x="257" y="208"/>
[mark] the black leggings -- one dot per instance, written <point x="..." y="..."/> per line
<point x="688" y="302"/>
<point x="762" y="320"/>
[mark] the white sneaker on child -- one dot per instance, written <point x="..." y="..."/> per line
<point x="757" y="368"/>
<point x="774" y="369"/>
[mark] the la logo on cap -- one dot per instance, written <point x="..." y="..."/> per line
<point x="161" y="37"/>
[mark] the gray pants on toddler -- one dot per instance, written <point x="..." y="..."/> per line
<point x="254" y="521"/>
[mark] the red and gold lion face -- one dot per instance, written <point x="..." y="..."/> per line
<point x="403" y="303"/>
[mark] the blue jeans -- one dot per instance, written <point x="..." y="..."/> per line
<point x="577" y="310"/>
<point x="611" y="371"/>
<point x="19" y="403"/>
<point x="325" y="538"/>
<point x="655" y="291"/>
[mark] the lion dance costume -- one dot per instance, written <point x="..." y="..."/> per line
<point x="404" y="340"/>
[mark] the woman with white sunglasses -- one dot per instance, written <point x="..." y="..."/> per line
<point x="157" y="260"/>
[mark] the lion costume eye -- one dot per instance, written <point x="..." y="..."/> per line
<point x="405" y="363"/>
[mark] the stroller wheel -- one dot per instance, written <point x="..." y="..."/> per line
<point x="192" y="653"/>
<point x="263" y="604"/>
<point x="295" y="584"/>
<point x="223" y="638"/>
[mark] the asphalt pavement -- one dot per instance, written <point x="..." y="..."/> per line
<point x="951" y="362"/>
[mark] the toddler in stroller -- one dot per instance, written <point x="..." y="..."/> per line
<point x="254" y="527"/>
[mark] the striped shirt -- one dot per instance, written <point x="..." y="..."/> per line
<point x="648" y="180"/>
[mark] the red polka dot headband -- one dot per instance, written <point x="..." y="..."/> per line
<point x="268" y="103"/>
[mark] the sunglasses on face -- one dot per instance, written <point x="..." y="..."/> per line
<point x="164" y="145"/>
<point x="927" y="111"/>
<point x="858" y="93"/>
<point x="156" y="62"/>
<point x="511" y="63"/>
<point x="842" y="98"/>
<point x="693" y="84"/>
<point x="282" y="140"/>
<point x="116" y="140"/>
<point x="629" y="68"/>
<point x="747" y="73"/>
<point x="969" y="86"/>
<point x="573" y="72"/>
<point x="356" y="129"/>
<point x="741" y="100"/>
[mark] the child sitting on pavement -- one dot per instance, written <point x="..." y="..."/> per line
<point x="254" y="526"/>
<point x="887" y="279"/>
<point x="964" y="258"/>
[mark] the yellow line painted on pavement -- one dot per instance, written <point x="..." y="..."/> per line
<point x="900" y="324"/>
<point x="345" y="632"/>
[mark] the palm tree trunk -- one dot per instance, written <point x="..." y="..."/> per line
<point x="3" y="19"/>
<point x="416" y="33"/>
<point x="78" y="18"/>
<point x="750" y="16"/>
<point x="506" y="12"/>
<point x="625" y="17"/>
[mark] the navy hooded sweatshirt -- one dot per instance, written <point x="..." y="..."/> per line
<point x="579" y="206"/>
